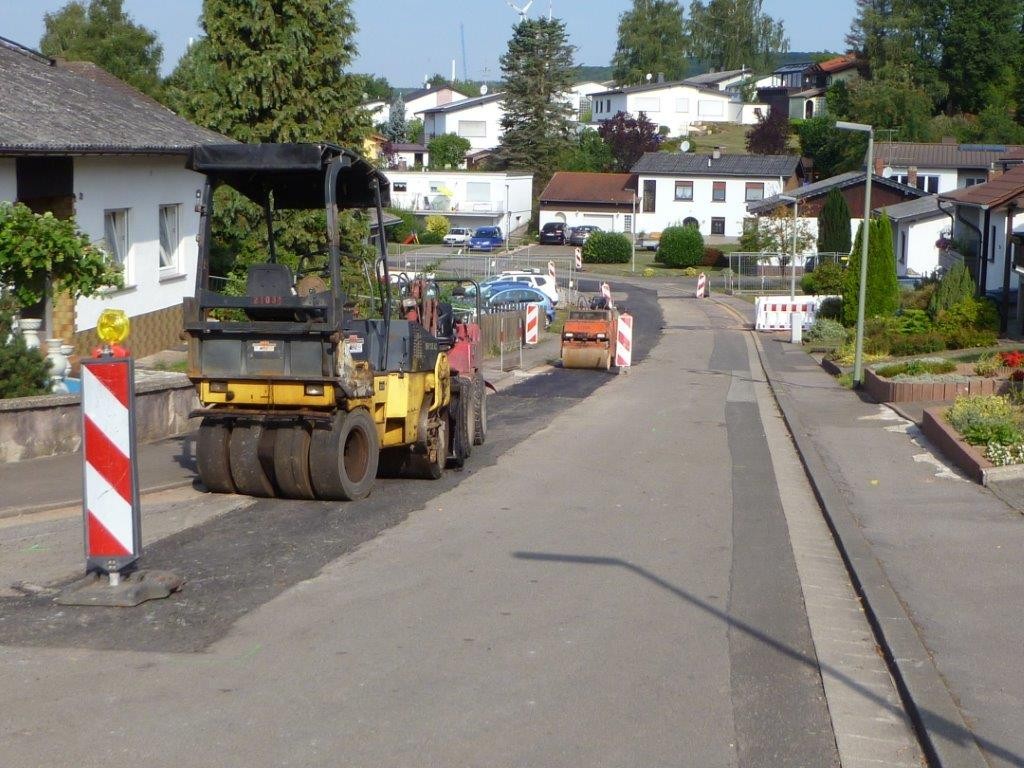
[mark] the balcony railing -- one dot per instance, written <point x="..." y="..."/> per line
<point x="444" y="204"/>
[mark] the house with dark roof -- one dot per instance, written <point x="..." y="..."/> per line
<point x="427" y="98"/>
<point x="939" y="167"/>
<point x="710" y="192"/>
<point x="606" y="200"/>
<point x="477" y="119"/>
<point x="984" y="217"/>
<point x="676" y="105"/>
<point x="811" y="198"/>
<point x="77" y="141"/>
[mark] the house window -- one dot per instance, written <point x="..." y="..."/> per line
<point x="650" y="185"/>
<point x="115" y="238"/>
<point x="927" y="183"/>
<point x="627" y="223"/>
<point x="970" y="181"/>
<point x="682" y="105"/>
<point x="718" y="191"/>
<point x="684" y="190"/>
<point x="717" y="225"/>
<point x="755" y="190"/>
<point x="399" y="186"/>
<point x="169" y="238"/>
<point x="478" y="192"/>
<point x="472" y="129"/>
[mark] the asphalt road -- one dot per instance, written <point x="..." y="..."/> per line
<point x="609" y="583"/>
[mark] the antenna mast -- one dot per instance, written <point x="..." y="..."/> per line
<point x="462" y="34"/>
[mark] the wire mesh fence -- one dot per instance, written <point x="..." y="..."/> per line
<point x="771" y="273"/>
<point x="477" y="265"/>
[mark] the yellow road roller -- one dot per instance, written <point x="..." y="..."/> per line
<point x="300" y="396"/>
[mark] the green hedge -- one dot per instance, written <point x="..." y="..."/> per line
<point x="680" y="247"/>
<point x="410" y="225"/>
<point x="607" y="248"/>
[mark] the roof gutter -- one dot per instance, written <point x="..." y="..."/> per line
<point x="954" y="218"/>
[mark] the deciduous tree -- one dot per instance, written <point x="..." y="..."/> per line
<point x="771" y="134"/>
<point x="590" y="153"/>
<point x="730" y="34"/>
<point x="651" y="40"/>
<point x="447" y="151"/>
<point x="107" y="36"/>
<point x="628" y="138"/>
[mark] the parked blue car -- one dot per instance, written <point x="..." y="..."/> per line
<point x="486" y="239"/>
<point x="499" y="296"/>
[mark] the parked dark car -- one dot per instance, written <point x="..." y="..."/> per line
<point x="552" y="233"/>
<point x="579" y="234"/>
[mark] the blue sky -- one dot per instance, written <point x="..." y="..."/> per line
<point x="405" y="41"/>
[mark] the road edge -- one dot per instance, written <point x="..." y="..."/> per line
<point x="926" y="697"/>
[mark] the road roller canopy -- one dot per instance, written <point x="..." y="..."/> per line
<point x="294" y="173"/>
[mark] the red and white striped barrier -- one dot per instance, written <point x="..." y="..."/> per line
<point x="578" y="253"/>
<point x="624" y="342"/>
<point x="113" y="537"/>
<point x="772" y="313"/>
<point x="702" y="286"/>
<point x="531" y="335"/>
<point x="551" y="271"/>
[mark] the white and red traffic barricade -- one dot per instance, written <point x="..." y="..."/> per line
<point x="552" y="273"/>
<point x="531" y="333"/>
<point x="624" y="342"/>
<point x="702" y="286"/>
<point x="113" y="538"/>
<point x="774" y="313"/>
<point x="578" y="253"/>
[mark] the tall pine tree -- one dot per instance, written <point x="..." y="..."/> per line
<point x="537" y="68"/>
<point x="834" y="224"/>
<point x="652" y="40"/>
<point x="882" y="289"/>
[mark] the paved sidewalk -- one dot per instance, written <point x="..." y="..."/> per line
<point x="53" y="482"/>
<point x="936" y="558"/>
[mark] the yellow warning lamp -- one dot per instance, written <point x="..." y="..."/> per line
<point x="112" y="327"/>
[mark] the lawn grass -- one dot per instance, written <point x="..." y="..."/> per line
<point x="731" y="138"/>
<point x="645" y="259"/>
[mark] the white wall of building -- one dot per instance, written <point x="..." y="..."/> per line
<point x="948" y="179"/>
<point x="914" y="245"/>
<point x="8" y="180"/>
<point x="140" y="186"/>
<point x="675" y="106"/>
<point x="436" y="98"/>
<point x="480" y="123"/>
<point x="669" y="211"/>
<point x="474" y="198"/>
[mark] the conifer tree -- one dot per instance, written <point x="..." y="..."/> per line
<point x="834" y="224"/>
<point x="882" y="289"/>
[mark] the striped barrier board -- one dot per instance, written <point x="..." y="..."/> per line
<point x="532" y="333"/>
<point x="772" y="313"/>
<point x="551" y="271"/>
<point x="113" y="537"/>
<point x="578" y="253"/>
<point x="624" y="342"/>
<point x="702" y="286"/>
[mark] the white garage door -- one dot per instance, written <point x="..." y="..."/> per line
<point x="604" y="221"/>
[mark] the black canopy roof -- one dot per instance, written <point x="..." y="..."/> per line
<point x="295" y="173"/>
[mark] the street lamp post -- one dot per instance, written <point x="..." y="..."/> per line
<point x="858" y="349"/>
<point x="795" y="318"/>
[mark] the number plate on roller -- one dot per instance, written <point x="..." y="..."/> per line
<point x="264" y="346"/>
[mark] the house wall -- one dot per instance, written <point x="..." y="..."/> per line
<point x="914" y="245"/>
<point x="140" y="185"/>
<point x="430" y="100"/>
<point x="610" y="218"/>
<point x="470" y="203"/>
<point x="675" y="106"/>
<point x="8" y="180"/>
<point x="948" y="178"/>
<point x="994" y="257"/>
<point x="438" y="123"/>
<point x="669" y="211"/>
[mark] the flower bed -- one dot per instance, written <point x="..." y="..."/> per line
<point x="931" y="386"/>
<point x="984" y="436"/>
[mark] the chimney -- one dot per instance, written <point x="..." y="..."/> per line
<point x="995" y="170"/>
<point x="717" y="153"/>
<point x="912" y="176"/>
<point x="879" y="165"/>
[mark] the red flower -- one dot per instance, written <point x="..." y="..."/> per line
<point x="1013" y="359"/>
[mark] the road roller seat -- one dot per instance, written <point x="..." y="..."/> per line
<point x="445" y="320"/>
<point x="263" y="280"/>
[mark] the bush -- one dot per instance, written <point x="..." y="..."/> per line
<point x="690" y="272"/>
<point x="988" y="365"/>
<point x="977" y="314"/>
<point x="831" y="309"/>
<point x="431" y="238"/>
<point x="966" y="338"/>
<point x="913" y="321"/>
<point x="915" y="368"/>
<point x="985" y="419"/>
<point x="917" y="343"/>
<point x="681" y="247"/>
<point x="955" y="287"/>
<point x="23" y="371"/>
<point x="714" y="257"/>
<point x="437" y="225"/>
<point x="919" y="298"/>
<point x="827" y="279"/>
<point x="410" y="225"/>
<point x="607" y="248"/>
<point x="826" y="331"/>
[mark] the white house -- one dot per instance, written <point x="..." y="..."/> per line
<point x="940" y="167"/>
<point x="427" y="98"/>
<point x="606" y="200"/>
<point x="676" y="105"/>
<point x="918" y="226"/>
<point x="708" y="191"/>
<point x="478" y="120"/>
<point x="466" y="198"/>
<point x="818" y="78"/>
<point x="380" y="111"/>
<point x="724" y="80"/>
<point x="75" y="140"/>
<point x="409" y="156"/>
<point x="579" y="97"/>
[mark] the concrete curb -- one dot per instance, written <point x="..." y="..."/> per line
<point x="6" y="514"/>
<point x="944" y="736"/>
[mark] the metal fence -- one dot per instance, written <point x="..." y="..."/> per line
<point x="770" y="273"/>
<point x="458" y="262"/>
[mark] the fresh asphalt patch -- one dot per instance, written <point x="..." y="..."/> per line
<point x="238" y="561"/>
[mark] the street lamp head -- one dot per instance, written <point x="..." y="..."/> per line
<point x="845" y="126"/>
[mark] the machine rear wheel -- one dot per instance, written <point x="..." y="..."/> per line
<point x="343" y="460"/>
<point x="479" y="410"/>
<point x="460" y="422"/>
<point x="251" y="449"/>
<point x="291" y="462"/>
<point x="212" y="456"/>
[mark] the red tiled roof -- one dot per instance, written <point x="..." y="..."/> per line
<point x="1003" y="189"/>
<point x="576" y="187"/>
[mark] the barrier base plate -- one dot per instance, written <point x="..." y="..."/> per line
<point x="134" y="589"/>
